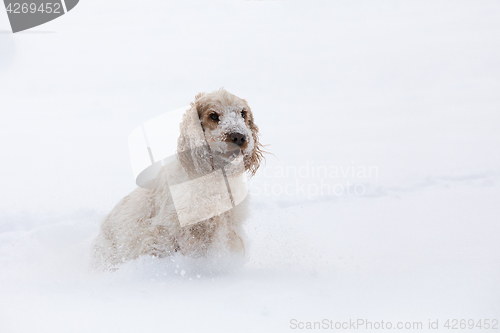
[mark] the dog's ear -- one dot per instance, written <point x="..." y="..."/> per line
<point x="253" y="160"/>
<point x="192" y="148"/>
<point x="198" y="97"/>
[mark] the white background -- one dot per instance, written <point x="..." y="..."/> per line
<point x="410" y="87"/>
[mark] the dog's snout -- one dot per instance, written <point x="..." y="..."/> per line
<point x="238" y="138"/>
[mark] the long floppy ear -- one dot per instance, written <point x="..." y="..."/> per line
<point x="192" y="148"/>
<point x="252" y="162"/>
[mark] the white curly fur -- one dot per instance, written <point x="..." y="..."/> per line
<point x="146" y="222"/>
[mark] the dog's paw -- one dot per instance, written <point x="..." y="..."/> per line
<point x="235" y="243"/>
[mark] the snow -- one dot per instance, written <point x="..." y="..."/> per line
<point x="408" y="89"/>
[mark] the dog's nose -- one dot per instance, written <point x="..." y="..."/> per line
<point x="237" y="138"/>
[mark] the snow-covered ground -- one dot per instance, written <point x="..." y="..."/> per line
<point x="381" y="201"/>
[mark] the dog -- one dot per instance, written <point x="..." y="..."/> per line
<point x="217" y="129"/>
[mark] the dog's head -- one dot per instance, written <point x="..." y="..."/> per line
<point x="218" y="126"/>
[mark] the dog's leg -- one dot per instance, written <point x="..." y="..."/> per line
<point x="157" y="243"/>
<point x="235" y="243"/>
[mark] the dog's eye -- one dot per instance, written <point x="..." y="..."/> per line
<point x="214" y="116"/>
<point x="244" y="114"/>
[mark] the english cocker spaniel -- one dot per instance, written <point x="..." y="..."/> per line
<point x="189" y="210"/>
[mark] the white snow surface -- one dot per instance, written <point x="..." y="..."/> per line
<point x="404" y="93"/>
